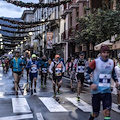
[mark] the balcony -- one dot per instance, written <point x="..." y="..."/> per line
<point x="66" y="11"/>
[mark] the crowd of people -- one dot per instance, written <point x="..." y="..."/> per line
<point x="97" y="73"/>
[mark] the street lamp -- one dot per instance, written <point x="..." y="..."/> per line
<point x="21" y="42"/>
<point x="0" y="35"/>
<point x="30" y="33"/>
<point x="0" y="39"/>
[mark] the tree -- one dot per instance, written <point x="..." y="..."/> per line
<point x="98" y="27"/>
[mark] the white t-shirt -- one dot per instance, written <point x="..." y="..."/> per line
<point x="117" y="70"/>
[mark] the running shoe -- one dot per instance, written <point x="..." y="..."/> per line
<point x="58" y="92"/>
<point x="31" y="92"/>
<point x="78" y="98"/>
<point x="34" y="90"/>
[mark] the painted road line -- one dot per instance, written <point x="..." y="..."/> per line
<point x="85" y="107"/>
<point x="115" y="107"/>
<point x="39" y="116"/>
<point x="52" y="105"/>
<point x="20" y="105"/>
<point x="18" y="117"/>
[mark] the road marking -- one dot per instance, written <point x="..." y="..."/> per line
<point x="115" y="107"/>
<point x="20" y="105"/>
<point x="52" y="105"/>
<point x="85" y="107"/>
<point x="39" y="116"/>
<point x="18" y="117"/>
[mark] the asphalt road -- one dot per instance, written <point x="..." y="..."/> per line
<point x="41" y="106"/>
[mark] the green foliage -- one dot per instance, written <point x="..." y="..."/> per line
<point x="99" y="26"/>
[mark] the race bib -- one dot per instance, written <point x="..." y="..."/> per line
<point x="44" y="70"/>
<point x="104" y="80"/>
<point x="81" y="69"/>
<point x="58" y="71"/>
<point x="33" y="69"/>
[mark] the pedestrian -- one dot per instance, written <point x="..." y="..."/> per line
<point x="103" y="70"/>
<point x="117" y="70"/>
<point x="72" y="72"/>
<point x="80" y="64"/>
<point x="57" y="69"/>
<point x="33" y="66"/>
<point x="44" y="70"/>
<point x="17" y="67"/>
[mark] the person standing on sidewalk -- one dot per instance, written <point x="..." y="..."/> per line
<point x="103" y="70"/>
<point x="80" y="64"/>
<point x="44" y="70"/>
<point x="57" y="69"/>
<point x="17" y="67"/>
<point x="33" y="66"/>
<point x="117" y="70"/>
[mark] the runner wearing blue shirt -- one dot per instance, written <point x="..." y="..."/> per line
<point x="17" y="67"/>
<point x="44" y="70"/>
<point x="33" y="66"/>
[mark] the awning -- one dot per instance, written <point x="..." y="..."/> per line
<point x="107" y="42"/>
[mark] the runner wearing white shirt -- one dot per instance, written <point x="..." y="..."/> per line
<point x="117" y="70"/>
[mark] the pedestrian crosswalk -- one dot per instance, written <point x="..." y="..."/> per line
<point x="22" y="107"/>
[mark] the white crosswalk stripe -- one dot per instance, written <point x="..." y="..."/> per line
<point x="85" y="107"/>
<point x="39" y="116"/>
<point x="52" y="105"/>
<point x="20" y="105"/>
<point x="18" y="117"/>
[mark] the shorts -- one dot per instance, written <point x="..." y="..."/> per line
<point x="33" y="75"/>
<point x="80" y="76"/>
<point x="57" y="78"/>
<point x="19" y="73"/>
<point x="106" y="101"/>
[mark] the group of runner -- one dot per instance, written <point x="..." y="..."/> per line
<point x="102" y="70"/>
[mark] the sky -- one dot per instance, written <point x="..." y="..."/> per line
<point x="10" y="10"/>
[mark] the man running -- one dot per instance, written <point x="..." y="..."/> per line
<point x="33" y="66"/>
<point x="117" y="70"/>
<point x="80" y="65"/>
<point x="16" y="64"/>
<point x="44" y="70"/>
<point x="103" y="70"/>
<point x="57" y="69"/>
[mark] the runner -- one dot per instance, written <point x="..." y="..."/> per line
<point x="80" y="65"/>
<point x="103" y="71"/>
<point x="23" y="63"/>
<point x="27" y="61"/>
<point x="117" y="70"/>
<point x="6" y="64"/>
<point x="72" y="72"/>
<point x="17" y="68"/>
<point x="33" y="66"/>
<point x="44" y="70"/>
<point x="57" y="69"/>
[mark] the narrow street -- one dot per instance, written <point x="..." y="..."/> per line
<point x="42" y="106"/>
